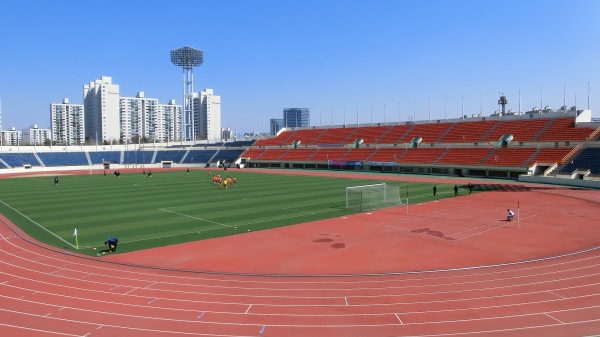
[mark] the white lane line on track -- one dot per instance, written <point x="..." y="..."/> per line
<point x="399" y="319"/>
<point x="250" y="306"/>
<point x="346" y="300"/>
<point x="38" y="330"/>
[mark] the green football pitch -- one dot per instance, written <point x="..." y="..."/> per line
<point x="174" y="207"/>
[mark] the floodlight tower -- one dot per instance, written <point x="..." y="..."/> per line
<point x="187" y="58"/>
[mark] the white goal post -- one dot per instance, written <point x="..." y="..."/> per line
<point x="370" y="197"/>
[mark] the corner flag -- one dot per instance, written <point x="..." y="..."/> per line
<point x="76" y="241"/>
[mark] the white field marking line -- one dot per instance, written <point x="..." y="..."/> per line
<point x="346" y="300"/>
<point x="399" y="319"/>
<point x="310" y="325"/>
<point x="495" y="227"/>
<point x="254" y="195"/>
<point x="250" y="306"/>
<point x="350" y="282"/>
<point x="284" y="217"/>
<point x="421" y="286"/>
<point x="37" y="224"/>
<point x="554" y="318"/>
<point x="39" y="330"/>
<point x="193" y="217"/>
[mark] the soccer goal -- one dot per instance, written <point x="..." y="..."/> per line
<point x="370" y="197"/>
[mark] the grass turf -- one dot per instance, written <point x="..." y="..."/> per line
<point x="174" y="207"/>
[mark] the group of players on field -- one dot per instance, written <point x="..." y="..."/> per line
<point x="223" y="182"/>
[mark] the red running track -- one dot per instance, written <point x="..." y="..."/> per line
<point x="47" y="292"/>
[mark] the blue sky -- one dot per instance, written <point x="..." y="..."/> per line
<point x="263" y="56"/>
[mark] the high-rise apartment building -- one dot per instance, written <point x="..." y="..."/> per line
<point x="138" y="116"/>
<point x="11" y="136"/>
<point x="169" y="122"/>
<point x="110" y="118"/>
<point x="296" y="117"/>
<point x="207" y="115"/>
<point x="101" y="110"/>
<point x="146" y="118"/>
<point x="35" y="136"/>
<point x="67" y="123"/>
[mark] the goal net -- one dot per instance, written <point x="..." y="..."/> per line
<point x="372" y="197"/>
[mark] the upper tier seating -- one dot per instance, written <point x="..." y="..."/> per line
<point x="467" y="132"/>
<point x="369" y="134"/>
<point x="305" y="136"/>
<point x="563" y="129"/>
<point x="335" y="136"/>
<point x="394" y="134"/>
<point x="430" y="133"/>
<point x="522" y="130"/>
<point x="279" y="140"/>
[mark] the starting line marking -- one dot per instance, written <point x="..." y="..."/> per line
<point x="399" y="319"/>
<point x="250" y="306"/>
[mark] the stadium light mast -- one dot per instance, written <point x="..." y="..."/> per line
<point x="187" y="58"/>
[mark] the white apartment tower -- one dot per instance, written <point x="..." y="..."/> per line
<point x="207" y="115"/>
<point x="101" y="109"/>
<point x="35" y="136"/>
<point x="11" y="136"/>
<point x="169" y="124"/>
<point x="67" y="123"/>
<point x="146" y="118"/>
<point x="138" y="116"/>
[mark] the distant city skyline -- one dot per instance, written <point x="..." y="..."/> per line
<point x="401" y="58"/>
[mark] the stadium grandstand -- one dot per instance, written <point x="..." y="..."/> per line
<point x="550" y="144"/>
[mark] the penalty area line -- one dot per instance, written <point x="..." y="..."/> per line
<point x="193" y="217"/>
